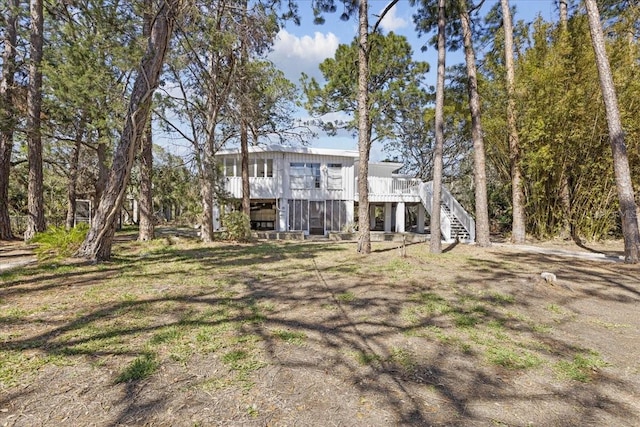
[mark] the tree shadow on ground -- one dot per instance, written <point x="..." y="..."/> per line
<point x="395" y="351"/>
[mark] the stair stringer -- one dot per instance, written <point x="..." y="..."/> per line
<point x="454" y="212"/>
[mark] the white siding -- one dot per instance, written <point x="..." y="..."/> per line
<point x="323" y="193"/>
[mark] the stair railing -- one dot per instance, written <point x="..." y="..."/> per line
<point x="426" y="194"/>
<point x="459" y="213"/>
<point x="425" y="190"/>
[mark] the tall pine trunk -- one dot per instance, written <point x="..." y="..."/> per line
<point x="244" y="129"/>
<point x="207" y="165"/>
<point x="244" y="156"/>
<point x="626" y="197"/>
<point x="435" y="244"/>
<point x="103" y="172"/>
<point x="518" y="232"/>
<point x="73" y="176"/>
<point x="479" y="166"/>
<point x="7" y="115"/>
<point x="364" y="131"/>
<point x="146" y="230"/>
<point x="567" y="230"/>
<point x="99" y="240"/>
<point x="206" y="195"/>
<point x="35" y="197"/>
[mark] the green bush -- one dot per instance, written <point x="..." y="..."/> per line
<point x="237" y="225"/>
<point x="58" y="243"/>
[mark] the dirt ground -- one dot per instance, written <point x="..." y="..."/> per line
<point x="382" y="339"/>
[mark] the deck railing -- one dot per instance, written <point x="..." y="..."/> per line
<point x="261" y="187"/>
<point x="266" y="187"/>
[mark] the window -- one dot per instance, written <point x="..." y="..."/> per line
<point x="229" y="166"/>
<point x="269" y="168"/>
<point x="334" y="176"/>
<point x="259" y="168"/>
<point x="304" y="176"/>
<point x="254" y="167"/>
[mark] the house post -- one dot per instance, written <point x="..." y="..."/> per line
<point x="400" y="217"/>
<point x="134" y="211"/>
<point x="372" y="217"/>
<point x="388" y="212"/>
<point x="421" y="218"/>
<point x="283" y="216"/>
<point x="351" y="219"/>
<point x="216" y="217"/>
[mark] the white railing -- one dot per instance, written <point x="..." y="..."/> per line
<point x="447" y="199"/>
<point x="387" y="186"/>
<point x="425" y="190"/>
<point x="460" y="213"/>
<point x="260" y="187"/>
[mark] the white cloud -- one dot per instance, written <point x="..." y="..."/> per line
<point x="295" y="55"/>
<point x="391" y="22"/>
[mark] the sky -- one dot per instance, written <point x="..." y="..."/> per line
<point x="302" y="48"/>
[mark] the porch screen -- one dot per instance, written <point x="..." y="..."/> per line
<point x="336" y="211"/>
<point x="298" y="215"/>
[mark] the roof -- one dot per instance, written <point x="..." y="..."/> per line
<point x="292" y="149"/>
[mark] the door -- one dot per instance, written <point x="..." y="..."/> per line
<point x="316" y="217"/>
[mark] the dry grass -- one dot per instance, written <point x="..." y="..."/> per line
<point x="174" y="332"/>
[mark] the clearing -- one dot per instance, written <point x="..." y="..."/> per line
<point x="281" y="333"/>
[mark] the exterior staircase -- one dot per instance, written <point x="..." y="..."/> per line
<point x="455" y="222"/>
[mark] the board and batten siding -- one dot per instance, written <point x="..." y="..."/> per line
<point x="323" y="193"/>
<point x="279" y="186"/>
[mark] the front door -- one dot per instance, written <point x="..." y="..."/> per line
<point x="316" y="217"/>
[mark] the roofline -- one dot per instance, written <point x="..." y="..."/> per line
<point x="292" y="149"/>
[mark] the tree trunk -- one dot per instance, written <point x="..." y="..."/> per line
<point x="206" y="194"/>
<point x="207" y="165"/>
<point x="98" y="242"/>
<point x="626" y="197"/>
<point x="479" y="168"/>
<point x="435" y="245"/>
<point x="244" y="131"/>
<point x="244" y="155"/>
<point x="562" y="4"/>
<point x="103" y="173"/>
<point x="7" y="116"/>
<point x="567" y="230"/>
<point x="73" y="176"/>
<point x="146" y="229"/>
<point x="518" y="231"/>
<point x="35" y="202"/>
<point x="364" y="132"/>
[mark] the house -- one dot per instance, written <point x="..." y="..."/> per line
<point x="315" y="191"/>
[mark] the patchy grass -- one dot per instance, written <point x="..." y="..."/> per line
<point x="346" y="297"/>
<point x="290" y="337"/>
<point x="583" y="367"/>
<point x="141" y="367"/>
<point x="512" y="358"/>
<point x="190" y="321"/>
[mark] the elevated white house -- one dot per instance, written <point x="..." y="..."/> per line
<point x="315" y="191"/>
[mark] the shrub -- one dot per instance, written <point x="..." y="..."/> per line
<point x="58" y="243"/>
<point x="237" y="225"/>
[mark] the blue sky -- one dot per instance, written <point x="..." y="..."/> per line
<point x="301" y="48"/>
